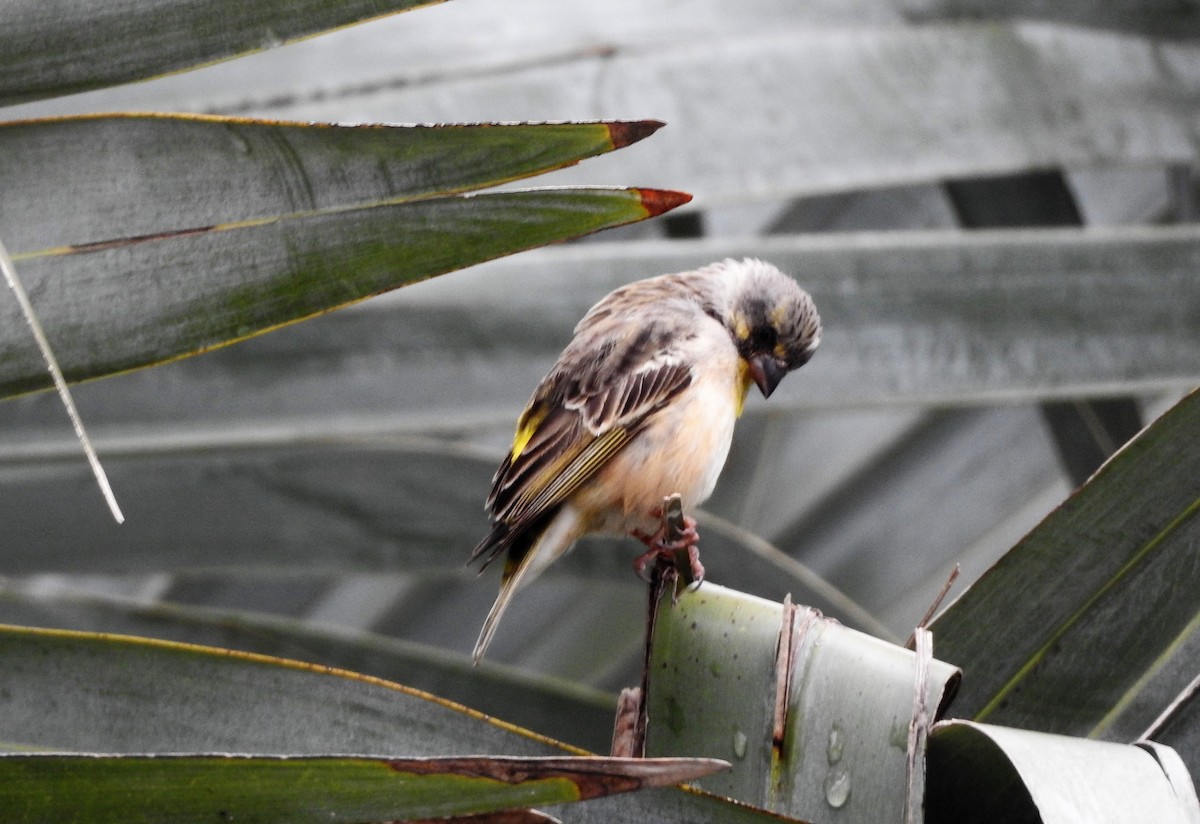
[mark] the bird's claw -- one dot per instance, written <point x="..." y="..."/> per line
<point x="660" y="547"/>
<point x="697" y="568"/>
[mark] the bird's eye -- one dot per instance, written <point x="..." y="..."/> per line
<point x="764" y="338"/>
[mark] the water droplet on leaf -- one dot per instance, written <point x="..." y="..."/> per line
<point x="837" y="788"/>
<point x="837" y="741"/>
<point x="739" y="744"/>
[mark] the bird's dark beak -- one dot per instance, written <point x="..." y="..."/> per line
<point x="767" y="373"/>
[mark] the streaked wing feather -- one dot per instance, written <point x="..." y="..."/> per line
<point x="581" y="467"/>
<point x="559" y="437"/>
<point x="578" y="437"/>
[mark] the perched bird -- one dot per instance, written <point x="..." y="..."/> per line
<point x="641" y="404"/>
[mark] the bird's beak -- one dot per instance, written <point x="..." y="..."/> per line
<point x="767" y="373"/>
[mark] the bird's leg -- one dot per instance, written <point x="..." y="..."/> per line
<point x="660" y="545"/>
<point x="642" y="561"/>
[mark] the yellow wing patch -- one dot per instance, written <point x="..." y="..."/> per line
<point x="558" y="481"/>
<point x="527" y="426"/>
<point x="559" y="444"/>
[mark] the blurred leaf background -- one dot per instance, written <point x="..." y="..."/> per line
<point x="993" y="205"/>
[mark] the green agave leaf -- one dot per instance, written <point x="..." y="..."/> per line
<point x="84" y="180"/>
<point x="88" y="692"/>
<point x="1098" y="600"/>
<point x="563" y="710"/>
<point x="928" y="318"/>
<point x="124" y="304"/>
<point x="204" y="788"/>
<point x="76" y="45"/>
<point x="819" y="733"/>
<point x="92" y="693"/>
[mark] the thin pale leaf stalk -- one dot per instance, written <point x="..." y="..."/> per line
<point x="1189" y="692"/>
<point x="60" y="383"/>
<point x="937" y="602"/>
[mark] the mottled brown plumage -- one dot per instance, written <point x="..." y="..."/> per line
<point x="640" y="404"/>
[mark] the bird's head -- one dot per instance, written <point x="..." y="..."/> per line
<point x="773" y="322"/>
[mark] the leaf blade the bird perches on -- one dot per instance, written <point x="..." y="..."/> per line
<point x="804" y="708"/>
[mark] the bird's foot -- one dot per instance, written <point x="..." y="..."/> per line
<point x="670" y="549"/>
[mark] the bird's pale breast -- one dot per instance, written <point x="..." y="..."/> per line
<point x="682" y="449"/>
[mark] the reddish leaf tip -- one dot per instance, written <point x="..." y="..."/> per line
<point x="624" y="132"/>
<point x="657" y="201"/>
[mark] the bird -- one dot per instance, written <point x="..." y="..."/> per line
<point x="641" y="404"/>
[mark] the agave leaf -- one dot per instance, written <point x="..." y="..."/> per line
<point x="439" y="40"/>
<point x="90" y="180"/>
<point x="918" y="319"/>
<point x="203" y="788"/>
<point x="132" y="302"/>
<point x="984" y="773"/>
<point x="566" y="711"/>
<point x="822" y="728"/>
<point x="76" y="45"/>
<point x="1098" y="600"/>
<point x="91" y="693"/>
<point x="86" y="692"/>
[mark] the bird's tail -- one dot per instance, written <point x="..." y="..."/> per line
<point x="508" y="588"/>
<point x="555" y="540"/>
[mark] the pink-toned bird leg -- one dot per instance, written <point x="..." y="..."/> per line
<point x="660" y="546"/>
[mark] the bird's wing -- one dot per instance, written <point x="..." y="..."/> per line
<point x="584" y="412"/>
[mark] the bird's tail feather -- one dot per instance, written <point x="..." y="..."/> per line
<point x="499" y="539"/>
<point x="549" y="546"/>
<point x="508" y="588"/>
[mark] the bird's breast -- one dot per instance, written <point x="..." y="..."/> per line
<point x="681" y="449"/>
